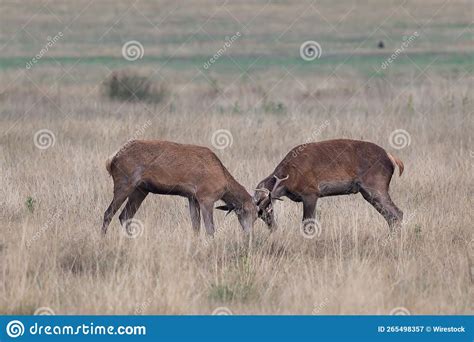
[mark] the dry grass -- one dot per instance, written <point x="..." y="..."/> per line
<point x="52" y="200"/>
<point x="354" y="267"/>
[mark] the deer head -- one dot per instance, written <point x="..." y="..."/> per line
<point x="266" y="192"/>
<point x="246" y="213"/>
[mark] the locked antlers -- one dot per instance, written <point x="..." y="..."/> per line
<point x="272" y="193"/>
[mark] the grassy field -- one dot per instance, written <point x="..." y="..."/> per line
<point x="53" y="192"/>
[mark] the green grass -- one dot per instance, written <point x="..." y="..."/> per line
<point x="365" y="64"/>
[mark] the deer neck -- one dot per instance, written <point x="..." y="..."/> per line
<point x="236" y="195"/>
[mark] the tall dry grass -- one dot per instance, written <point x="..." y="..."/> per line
<point x="52" y="253"/>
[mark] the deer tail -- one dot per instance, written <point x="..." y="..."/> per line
<point x="396" y="162"/>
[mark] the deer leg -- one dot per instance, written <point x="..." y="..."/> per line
<point x="396" y="217"/>
<point x="195" y="212"/>
<point x="119" y="198"/>
<point x="384" y="205"/>
<point x="134" y="201"/>
<point x="309" y="207"/>
<point x="208" y="218"/>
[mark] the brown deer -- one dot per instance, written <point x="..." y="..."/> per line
<point x="168" y="168"/>
<point x="330" y="168"/>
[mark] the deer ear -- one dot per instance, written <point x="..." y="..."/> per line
<point x="225" y="208"/>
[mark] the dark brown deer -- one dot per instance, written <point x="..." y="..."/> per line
<point x="330" y="168"/>
<point x="168" y="168"/>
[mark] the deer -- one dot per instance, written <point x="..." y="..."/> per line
<point x="141" y="167"/>
<point x="330" y="168"/>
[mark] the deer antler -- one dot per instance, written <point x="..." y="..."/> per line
<point x="266" y="191"/>
<point x="278" y="181"/>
